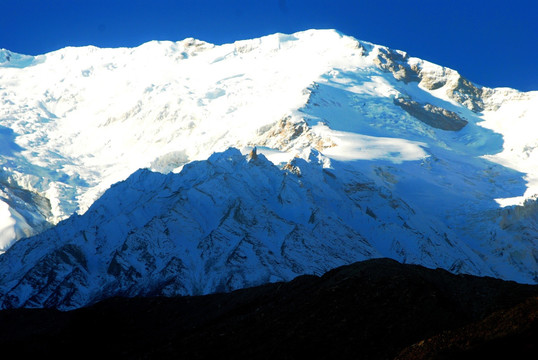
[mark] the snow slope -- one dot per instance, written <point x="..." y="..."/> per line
<point x="447" y="169"/>
<point x="81" y="119"/>
<point x="224" y="223"/>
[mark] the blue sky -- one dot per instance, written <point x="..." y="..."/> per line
<point x="493" y="43"/>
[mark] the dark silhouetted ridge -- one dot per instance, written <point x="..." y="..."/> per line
<point x="369" y="310"/>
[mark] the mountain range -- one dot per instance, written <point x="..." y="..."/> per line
<point x="186" y="168"/>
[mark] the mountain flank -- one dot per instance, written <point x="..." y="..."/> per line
<point x="362" y="152"/>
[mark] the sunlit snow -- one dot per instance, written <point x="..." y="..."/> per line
<point x="75" y="121"/>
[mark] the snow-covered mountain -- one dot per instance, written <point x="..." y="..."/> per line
<point x="370" y="153"/>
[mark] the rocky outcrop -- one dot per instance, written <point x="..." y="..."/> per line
<point x="457" y="87"/>
<point x="433" y="77"/>
<point x="434" y="116"/>
<point x="288" y="133"/>
<point x="395" y="61"/>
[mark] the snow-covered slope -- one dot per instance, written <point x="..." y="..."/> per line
<point x="419" y="160"/>
<point x="229" y="222"/>
<point x="225" y="223"/>
<point x="75" y="121"/>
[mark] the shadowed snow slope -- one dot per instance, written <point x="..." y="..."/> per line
<point x="225" y="223"/>
<point x="393" y="156"/>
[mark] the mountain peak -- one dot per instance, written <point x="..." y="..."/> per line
<point x="357" y="145"/>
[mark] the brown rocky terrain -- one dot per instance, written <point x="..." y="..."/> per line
<point x="432" y="115"/>
<point x="505" y="334"/>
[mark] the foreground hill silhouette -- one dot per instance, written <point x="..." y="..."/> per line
<point x="506" y="334"/>
<point x="369" y="310"/>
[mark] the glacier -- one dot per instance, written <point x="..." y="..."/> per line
<point x="386" y="154"/>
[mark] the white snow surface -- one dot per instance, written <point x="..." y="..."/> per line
<point x="85" y="118"/>
<point x="75" y="121"/>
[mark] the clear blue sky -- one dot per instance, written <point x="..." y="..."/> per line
<point x="493" y="43"/>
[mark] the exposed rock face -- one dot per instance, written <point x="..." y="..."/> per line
<point x="466" y="93"/>
<point x="457" y="87"/>
<point x="287" y="134"/>
<point x="395" y="61"/>
<point x="432" y="77"/>
<point x="434" y="116"/>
